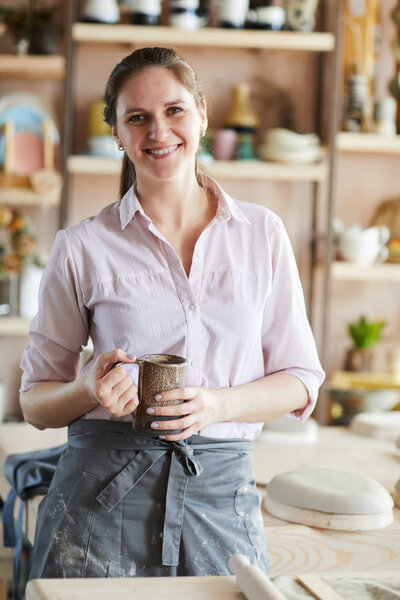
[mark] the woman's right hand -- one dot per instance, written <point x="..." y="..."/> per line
<point x="110" y="385"/>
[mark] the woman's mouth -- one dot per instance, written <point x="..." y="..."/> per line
<point x="158" y="153"/>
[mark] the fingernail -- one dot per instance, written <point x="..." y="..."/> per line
<point x="158" y="397"/>
<point x="161" y="437"/>
<point x="130" y="357"/>
<point x="154" y="425"/>
<point x="150" y="411"/>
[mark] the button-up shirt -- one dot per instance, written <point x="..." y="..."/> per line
<point x="238" y="316"/>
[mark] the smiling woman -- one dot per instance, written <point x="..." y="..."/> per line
<point x="179" y="267"/>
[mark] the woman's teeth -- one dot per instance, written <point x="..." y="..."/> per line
<point x="163" y="150"/>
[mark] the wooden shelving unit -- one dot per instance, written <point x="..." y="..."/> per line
<point x="32" y="67"/>
<point x="378" y="272"/>
<point x="238" y="170"/>
<point x="15" y="196"/>
<point x="208" y="37"/>
<point x="368" y="143"/>
<point x="14" y="326"/>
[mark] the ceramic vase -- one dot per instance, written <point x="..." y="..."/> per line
<point x="241" y="117"/>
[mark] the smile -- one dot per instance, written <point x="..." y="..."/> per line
<point x="162" y="151"/>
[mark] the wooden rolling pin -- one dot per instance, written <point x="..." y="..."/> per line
<point x="253" y="582"/>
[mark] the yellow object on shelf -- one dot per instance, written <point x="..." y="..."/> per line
<point x="346" y="380"/>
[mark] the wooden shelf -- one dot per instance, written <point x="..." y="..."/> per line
<point x="346" y="380"/>
<point x="239" y="170"/>
<point x="15" y="196"/>
<point x="383" y="272"/>
<point x="13" y="66"/>
<point x="14" y="326"/>
<point x="208" y="37"/>
<point x="367" y="143"/>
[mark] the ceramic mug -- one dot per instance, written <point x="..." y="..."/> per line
<point x="158" y="373"/>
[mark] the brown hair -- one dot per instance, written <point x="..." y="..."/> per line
<point x="132" y="64"/>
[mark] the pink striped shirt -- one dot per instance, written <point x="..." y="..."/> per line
<point x="239" y="315"/>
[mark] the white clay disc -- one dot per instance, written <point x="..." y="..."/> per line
<point x="323" y="520"/>
<point x="285" y="430"/>
<point x="330" y="491"/>
<point x="382" y="425"/>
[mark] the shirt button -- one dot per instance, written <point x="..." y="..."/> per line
<point x="193" y="363"/>
<point x="192" y="306"/>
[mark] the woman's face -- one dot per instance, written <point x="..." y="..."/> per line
<point x="158" y="124"/>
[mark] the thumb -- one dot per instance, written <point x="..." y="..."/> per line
<point x="122" y="356"/>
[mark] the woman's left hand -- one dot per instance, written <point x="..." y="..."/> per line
<point x="201" y="407"/>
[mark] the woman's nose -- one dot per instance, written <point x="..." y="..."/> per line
<point x="158" y="130"/>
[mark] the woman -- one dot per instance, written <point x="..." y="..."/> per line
<point x="176" y="266"/>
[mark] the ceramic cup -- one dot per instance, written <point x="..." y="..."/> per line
<point x="101" y="11"/>
<point x="224" y="144"/>
<point x="231" y="13"/>
<point x="183" y="14"/>
<point x="300" y="14"/>
<point x="270" y="17"/>
<point x="158" y="373"/>
<point x="385" y="117"/>
<point x="144" y="12"/>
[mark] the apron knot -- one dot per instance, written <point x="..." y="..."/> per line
<point x="190" y="461"/>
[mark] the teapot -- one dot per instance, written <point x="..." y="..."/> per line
<point x="361" y="246"/>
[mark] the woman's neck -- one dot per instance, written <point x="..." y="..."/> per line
<point x="175" y="205"/>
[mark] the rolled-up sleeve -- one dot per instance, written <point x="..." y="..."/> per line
<point x="60" y="328"/>
<point x="288" y="342"/>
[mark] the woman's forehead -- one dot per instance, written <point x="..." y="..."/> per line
<point x="153" y="84"/>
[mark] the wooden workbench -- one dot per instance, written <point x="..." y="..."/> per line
<point x="292" y="548"/>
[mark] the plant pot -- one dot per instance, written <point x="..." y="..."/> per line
<point x="358" y="360"/>
<point x="42" y="40"/>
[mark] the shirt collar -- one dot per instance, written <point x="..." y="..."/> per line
<point x="227" y="207"/>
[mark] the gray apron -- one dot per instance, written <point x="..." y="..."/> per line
<point x="126" y="504"/>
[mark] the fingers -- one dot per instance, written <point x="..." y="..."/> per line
<point x="108" y="360"/>
<point x="183" y="393"/>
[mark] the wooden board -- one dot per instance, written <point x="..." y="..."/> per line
<point x="151" y="588"/>
<point x="321" y="589"/>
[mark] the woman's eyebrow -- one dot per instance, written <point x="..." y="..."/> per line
<point x="138" y="109"/>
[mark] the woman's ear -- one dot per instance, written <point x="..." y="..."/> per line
<point x="115" y="135"/>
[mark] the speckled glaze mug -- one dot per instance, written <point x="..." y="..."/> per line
<point x="158" y="373"/>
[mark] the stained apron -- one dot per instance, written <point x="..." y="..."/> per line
<point x="125" y="504"/>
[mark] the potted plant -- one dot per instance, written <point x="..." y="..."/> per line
<point x="364" y="335"/>
<point x="32" y="25"/>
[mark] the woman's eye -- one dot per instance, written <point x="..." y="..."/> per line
<point x="175" y="109"/>
<point x="135" y="119"/>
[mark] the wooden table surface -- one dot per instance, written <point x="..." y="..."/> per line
<point x="150" y="588"/>
<point x="291" y="548"/>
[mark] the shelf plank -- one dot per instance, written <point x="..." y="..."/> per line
<point x="368" y="143"/>
<point x="13" y="66"/>
<point x="208" y="37"/>
<point x="237" y="170"/>
<point x="14" y="326"/>
<point x="384" y="272"/>
<point x="15" y="196"/>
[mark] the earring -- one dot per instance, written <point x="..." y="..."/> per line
<point x="202" y="133"/>
<point x="121" y="148"/>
